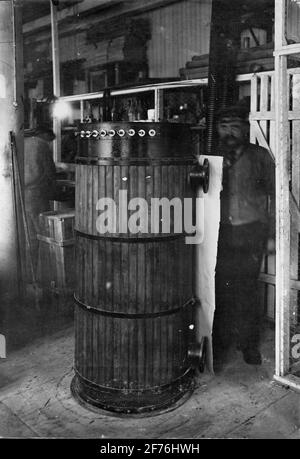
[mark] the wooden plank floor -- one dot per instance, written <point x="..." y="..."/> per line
<point x="241" y="402"/>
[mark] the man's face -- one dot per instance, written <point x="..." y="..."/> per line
<point x="232" y="132"/>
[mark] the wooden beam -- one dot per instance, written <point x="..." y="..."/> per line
<point x="282" y="198"/>
<point x="290" y="381"/>
<point x="66" y="13"/>
<point x="56" y="80"/>
<point x="293" y="115"/>
<point x="271" y="279"/>
<point x="94" y="6"/>
<point x="289" y="49"/>
<point x="280" y="18"/>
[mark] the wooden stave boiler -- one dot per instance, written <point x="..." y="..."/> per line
<point x="132" y="322"/>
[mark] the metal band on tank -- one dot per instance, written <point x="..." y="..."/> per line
<point x="123" y="315"/>
<point x="141" y="239"/>
<point x="90" y="161"/>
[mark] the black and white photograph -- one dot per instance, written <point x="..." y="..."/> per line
<point x="149" y="223"/>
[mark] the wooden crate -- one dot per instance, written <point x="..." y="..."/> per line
<point x="56" y="251"/>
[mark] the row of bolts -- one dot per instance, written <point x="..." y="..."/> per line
<point x="112" y="133"/>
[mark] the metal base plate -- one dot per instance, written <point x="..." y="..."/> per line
<point x="134" y="404"/>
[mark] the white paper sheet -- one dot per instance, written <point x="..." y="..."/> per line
<point x="206" y="255"/>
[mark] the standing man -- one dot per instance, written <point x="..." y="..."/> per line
<point x="40" y="180"/>
<point x="247" y="227"/>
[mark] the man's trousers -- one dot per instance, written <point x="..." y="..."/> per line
<point x="238" y="314"/>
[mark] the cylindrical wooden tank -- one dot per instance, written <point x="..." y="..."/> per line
<point x="133" y="291"/>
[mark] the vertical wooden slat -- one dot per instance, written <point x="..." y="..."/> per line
<point x="77" y="195"/>
<point x="141" y="290"/>
<point x="264" y="92"/>
<point x="273" y="94"/>
<point x="296" y="141"/>
<point x="116" y="254"/>
<point x="157" y="186"/>
<point x="125" y="253"/>
<point x="109" y="192"/>
<point x="101" y="350"/>
<point x="159" y="105"/>
<point x="116" y="350"/>
<point x="84" y="200"/>
<point x="117" y="247"/>
<point x="154" y="187"/>
<point x="94" y="301"/>
<point x="163" y="269"/>
<point x="89" y="200"/>
<point x="95" y="272"/>
<point x="254" y="87"/>
<point x="133" y="191"/>
<point x="282" y="218"/>
<point x="141" y="261"/>
<point x="253" y="102"/>
<point x="294" y="264"/>
<point x="295" y="190"/>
